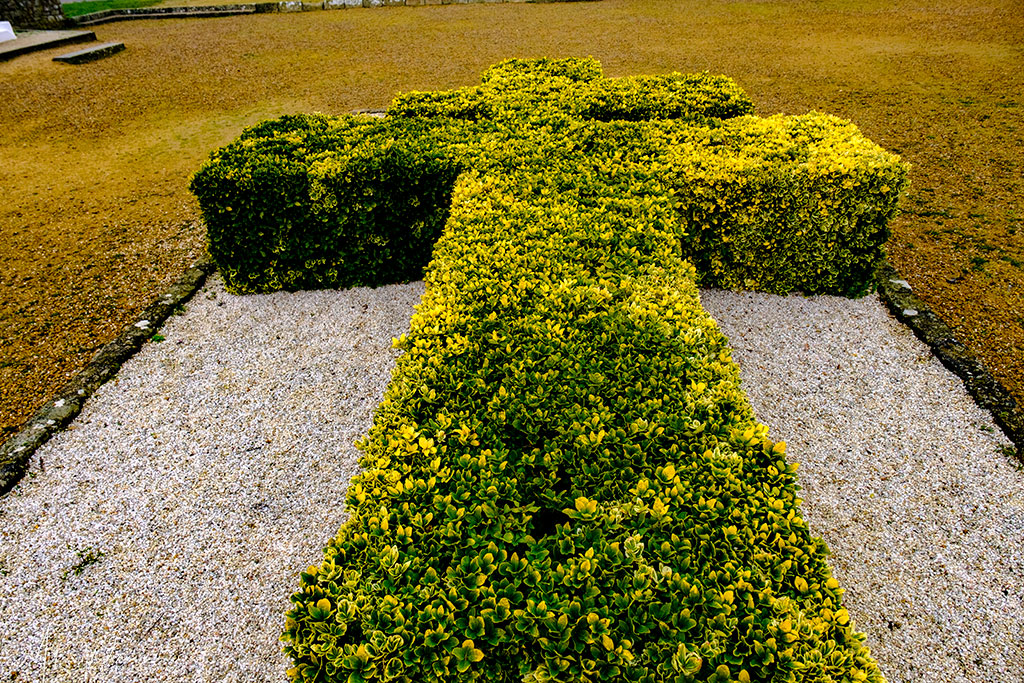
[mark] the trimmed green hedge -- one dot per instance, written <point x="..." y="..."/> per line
<point x="517" y="89"/>
<point x="777" y="204"/>
<point x="564" y="481"/>
<point x="312" y="202"/>
<point x="780" y="204"/>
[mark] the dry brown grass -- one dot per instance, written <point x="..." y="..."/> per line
<point x="95" y="159"/>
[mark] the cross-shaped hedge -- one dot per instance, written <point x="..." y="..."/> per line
<point x="564" y="481"/>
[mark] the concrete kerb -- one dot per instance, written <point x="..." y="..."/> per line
<point x="34" y="41"/>
<point x="17" y="451"/>
<point x="109" y="15"/>
<point x="985" y="389"/>
<point x="90" y="54"/>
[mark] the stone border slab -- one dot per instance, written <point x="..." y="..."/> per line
<point x="108" y="15"/>
<point x="57" y="413"/>
<point x="985" y="389"/>
<point x="90" y="54"/>
<point x="284" y="6"/>
<point x="33" y="41"/>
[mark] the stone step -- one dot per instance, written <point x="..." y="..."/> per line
<point x="90" y="54"/>
<point x="32" y="41"/>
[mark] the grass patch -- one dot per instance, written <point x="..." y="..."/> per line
<point x="118" y="166"/>
<point x="77" y="9"/>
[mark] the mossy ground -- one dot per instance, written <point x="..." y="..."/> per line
<point x="97" y="217"/>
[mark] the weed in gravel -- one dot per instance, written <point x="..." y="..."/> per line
<point x="86" y="556"/>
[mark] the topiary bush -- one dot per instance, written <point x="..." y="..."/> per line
<point x="312" y="202"/>
<point x="776" y="204"/>
<point x="564" y="481"/>
<point x="782" y="204"/>
<point x="519" y="88"/>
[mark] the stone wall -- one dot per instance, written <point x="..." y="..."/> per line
<point x="32" y="13"/>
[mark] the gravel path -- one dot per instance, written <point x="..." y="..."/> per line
<point x="159" y="538"/>
<point x="903" y="476"/>
<point x="201" y="473"/>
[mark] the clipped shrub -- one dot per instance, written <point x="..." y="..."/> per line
<point x="516" y="89"/>
<point x="777" y="204"/>
<point x="469" y="104"/>
<point x="564" y="481"/>
<point x="671" y="96"/>
<point x="782" y="204"/>
<point x="313" y="202"/>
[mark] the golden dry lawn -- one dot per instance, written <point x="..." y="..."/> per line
<point x="95" y="159"/>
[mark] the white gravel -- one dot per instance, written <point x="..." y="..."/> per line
<point x="903" y="476"/>
<point x="211" y="471"/>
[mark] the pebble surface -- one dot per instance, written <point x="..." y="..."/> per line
<point x="903" y="475"/>
<point x="200" y="482"/>
<point x="159" y="537"/>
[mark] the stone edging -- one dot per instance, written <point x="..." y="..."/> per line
<point x="893" y="290"/>
<point x="57" y="413"/>
<point x="108" y="15"/>
<point x="986" y="390"/>
<point x="90" y="54"/>
<point x="283" y="6"/>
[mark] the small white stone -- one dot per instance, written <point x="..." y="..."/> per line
<point x="58" y="404"/>
<point x="142" y="324"/>
<point x="81" y="392"/>
<point x="909" y="312"/>
<point x="50" y="423"/>
<point x="258" y="382"/>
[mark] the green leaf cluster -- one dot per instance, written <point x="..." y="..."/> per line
<point x="517" y="89"/>
<point x="778" y="204"/>
<point x="564" y="481"/>
<point x="309" y="201"/>
<point x="781" y="204"/>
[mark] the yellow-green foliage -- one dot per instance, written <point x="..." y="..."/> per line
<point x="274" y="220"/>
<point x="517" y="89"/>
<point x="564" y="481"/>
<point x="782" y="203"/>
<point x="777" y="204"/>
